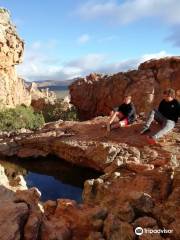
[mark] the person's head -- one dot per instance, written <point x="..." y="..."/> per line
<point x="169" y="94"/>
<point x="127" y="99"/>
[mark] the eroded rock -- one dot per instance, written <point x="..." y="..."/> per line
<point x="131" y="190"/>
<point x="96" y="95"/>
<point x="12" y="89"/>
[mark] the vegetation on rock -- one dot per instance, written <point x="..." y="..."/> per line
<point x="59" y="110"/>
<point x="3" y="10"/>
<point x="20" y="117"/>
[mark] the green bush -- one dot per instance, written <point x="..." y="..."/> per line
<point x="20" y="117"/>
<point x="59" y="110"/>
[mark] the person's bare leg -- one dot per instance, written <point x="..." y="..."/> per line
<point x="113" y="117"/>
<point x="111" y="113"/>
<point x="118" y="124"/>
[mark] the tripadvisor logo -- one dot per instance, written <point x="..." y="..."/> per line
<point x="139" y="231"/>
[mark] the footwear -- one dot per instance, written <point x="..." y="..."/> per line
<point x="145" y="130"/>
<point x="151" y="140"/>
<point x="108" y="127"/>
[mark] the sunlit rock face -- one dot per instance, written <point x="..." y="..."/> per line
<point x="96" y="94"/>
<point x="12" y="89"/>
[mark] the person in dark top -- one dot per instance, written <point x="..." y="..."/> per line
<point x="124" y="115"/>
<point x="167" y="115"/>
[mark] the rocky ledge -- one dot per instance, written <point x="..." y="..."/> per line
<point x="139" y="185"/>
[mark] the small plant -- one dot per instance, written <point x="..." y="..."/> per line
<point x="20" y="117"/>
<point x="3" y="10"/>
<point x="59" y="110"/>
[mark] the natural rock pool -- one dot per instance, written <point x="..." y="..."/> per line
<point x="53" y="177"/>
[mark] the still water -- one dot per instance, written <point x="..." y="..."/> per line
<point x="53" y="177"/>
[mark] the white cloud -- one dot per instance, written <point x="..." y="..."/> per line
<point x="88" y="62"/>
<point x="131" y="10"/>
<point x="83" y="39"/>
<point x="130" y="64"/>
<point x="147" y="57"/>
<point x="38" y="65"/>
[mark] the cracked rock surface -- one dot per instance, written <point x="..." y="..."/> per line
<point x="138" y="184"/>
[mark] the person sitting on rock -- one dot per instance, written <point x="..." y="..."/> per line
<point x="123" y="116"/>
<point x="167" y="115"/>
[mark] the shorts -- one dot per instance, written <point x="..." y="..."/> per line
<point x="125" y="121"/>
<point x="123" y="118"/>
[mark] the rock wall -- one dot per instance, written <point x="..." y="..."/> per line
<point x="96" y="94"/>
<point x="12" y="89"/>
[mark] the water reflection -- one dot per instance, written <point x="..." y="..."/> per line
<point x="53" y="177"/>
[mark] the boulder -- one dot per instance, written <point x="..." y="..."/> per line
<point x="97" y="95"/>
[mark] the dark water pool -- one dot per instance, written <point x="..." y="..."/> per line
<point x="53" y="177"/>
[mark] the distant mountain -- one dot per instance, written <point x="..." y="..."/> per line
<point x="53" y="85"/>
<point x="48" y="83"/>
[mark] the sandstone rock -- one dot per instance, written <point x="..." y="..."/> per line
<point x="145" y="222"/>
<point x="41" y="98"/>
<point x="116" y="229"/>
<point x="86" y="144"/>
<point x="141" y="190"/>
<point x="138" y="167"/>
<point x="5" y="193"/>
<point x="126" y="194"/>
<point x="96" y="96"/>
<point x="58" y="229"/>
<point x="69" y="220"/>
<point x="12" y="220"/>
<point x="31" y="197"/>
<point x="142" y="203"/>
<point x="17" y="183"/>
<point x="168" y="213"/>
<point x="20" y="216"/>
<point x="95" y="236"/>
<point x="12" y="88"/>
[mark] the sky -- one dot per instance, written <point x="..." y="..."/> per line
<point x="65" y="39"/>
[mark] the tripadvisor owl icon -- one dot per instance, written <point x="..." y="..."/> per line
<point x="138" y="231"/>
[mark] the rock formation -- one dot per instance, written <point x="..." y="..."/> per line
<point x="41" y="98"/>
<point x="138" y="184"/>
<point x="96" y="95"/>
<point x="12" y="89"/>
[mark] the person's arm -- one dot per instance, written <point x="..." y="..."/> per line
<point x="132" y="111"/>
<point x="160" y="108"/>
<point x="178" y="108"/>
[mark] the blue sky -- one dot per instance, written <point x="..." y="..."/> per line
<point x="70" y="38"/>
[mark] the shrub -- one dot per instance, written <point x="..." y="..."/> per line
<point x="20" y="117"/>
<point x="59" y="110"/>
